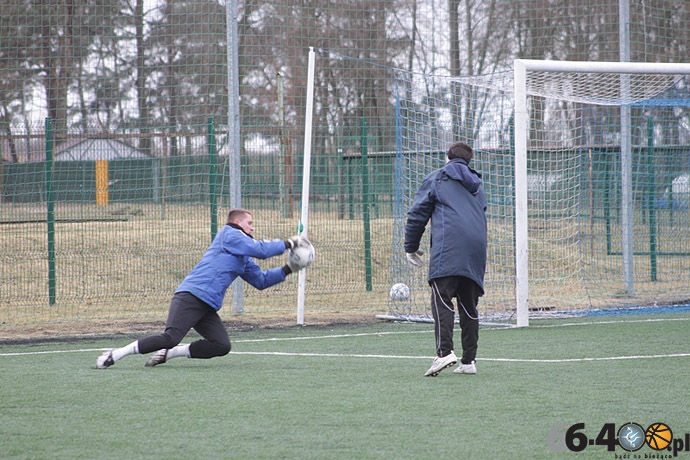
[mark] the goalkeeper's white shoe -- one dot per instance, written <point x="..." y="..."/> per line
<point x="160" y="357"/>
<point x="105" y="360"/>
<point x="441" y="363"/>
<point x="466" y="369"/>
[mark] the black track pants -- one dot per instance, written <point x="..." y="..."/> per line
<point x="467" y="293"/>
<point x="187" y="312"/>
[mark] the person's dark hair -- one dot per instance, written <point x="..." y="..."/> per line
<point x="236" y="214"/>
<point x="460" y="150"/>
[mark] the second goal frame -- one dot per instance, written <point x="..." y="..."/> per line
<point x="624" y="69"/>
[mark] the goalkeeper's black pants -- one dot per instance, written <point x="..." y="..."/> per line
<point x="187" y="312"/>
<point x="467" y="293"/>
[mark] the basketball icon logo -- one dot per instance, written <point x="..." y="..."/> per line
<point x="659" y="436"/>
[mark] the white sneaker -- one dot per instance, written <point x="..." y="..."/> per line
<point x="160" y="357"/>
<point x="105" y="360"/>
<point x="466" y="369"/>
<point x="441" y="363"/>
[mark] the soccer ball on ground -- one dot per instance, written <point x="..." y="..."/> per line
<point x="399" y="292"/>
<point x="303" y="255"/>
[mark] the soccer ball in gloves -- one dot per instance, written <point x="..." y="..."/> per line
<point x="302" y="255"/>
<point x="399" y="292"/>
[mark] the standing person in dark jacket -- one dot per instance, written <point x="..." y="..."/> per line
<point x="197" y="300"/>
<point x="453" y="199"/>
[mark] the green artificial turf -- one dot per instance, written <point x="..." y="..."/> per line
<point x="351" y="393"/>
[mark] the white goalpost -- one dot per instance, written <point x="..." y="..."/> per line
<point x="306" y="175"/>
<point x="625" y="85"/>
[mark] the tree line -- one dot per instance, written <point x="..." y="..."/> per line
<point x="136" y="66"/>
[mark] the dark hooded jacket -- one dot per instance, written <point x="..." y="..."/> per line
<point x="453" y="198"/>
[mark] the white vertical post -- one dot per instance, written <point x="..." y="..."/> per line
<point x="234" y="146"/>
<point x="627" y="219"/>
<point x="521" y="227"/>
<point x="306" y="174"/>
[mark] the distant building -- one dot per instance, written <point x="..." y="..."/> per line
<point x="97" y="149"/>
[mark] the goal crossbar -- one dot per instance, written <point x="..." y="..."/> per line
<point x="600" y="67"/>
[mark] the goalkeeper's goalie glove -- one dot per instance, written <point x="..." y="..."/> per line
<point x="415" y="258"/>
<point x="291" y="267"/>
<point x="293" y="242"/>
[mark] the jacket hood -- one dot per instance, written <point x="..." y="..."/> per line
<point x="457" y="169"/>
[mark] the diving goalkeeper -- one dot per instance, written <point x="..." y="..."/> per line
<point x="197" y="300"/>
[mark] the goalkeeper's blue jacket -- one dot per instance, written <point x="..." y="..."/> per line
<point x="229" y="256"/>
<point x="453" y="199"/>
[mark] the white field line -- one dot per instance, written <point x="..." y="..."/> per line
<point x="334" y="336"/>
<point x="508" y="360"/>
<point x="364" y="334"/>
<point x="351" y="355"/>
